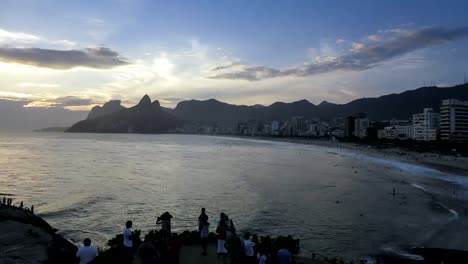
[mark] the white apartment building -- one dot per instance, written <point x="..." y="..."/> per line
<point x="426" y="125"/>
<point x="361" y="125"/>
<point x="275" y="128"/>
<point x="454" y="120"/>
<point x="394" y="132"/>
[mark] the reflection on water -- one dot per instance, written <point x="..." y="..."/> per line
<point x="88" y="185"/>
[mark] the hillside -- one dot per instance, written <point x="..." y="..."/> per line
<point x="145" y="117"/>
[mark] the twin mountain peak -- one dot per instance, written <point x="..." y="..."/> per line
<point x="151" y="117"/>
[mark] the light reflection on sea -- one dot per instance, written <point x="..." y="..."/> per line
<point x="337" y="202"/>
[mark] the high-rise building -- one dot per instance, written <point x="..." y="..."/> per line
<point x="426" y="125"/>
<point x="298" y="125"/>
<point x="349" y="126"/>
<point x="454" y="120"/>
<point x="275" y="128"/>
<point x="361" y="124"/>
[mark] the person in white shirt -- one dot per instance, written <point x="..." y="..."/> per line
<point x="128" y="243"/>
<point x="204" y="233"/>
<point x="87" y="253"/>
<point x="249" y="249"/>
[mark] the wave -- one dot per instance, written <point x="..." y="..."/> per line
<point x="432" y="196"/>
<point x="413" y="169"/>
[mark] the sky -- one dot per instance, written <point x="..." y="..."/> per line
<point x="77" y="54"/>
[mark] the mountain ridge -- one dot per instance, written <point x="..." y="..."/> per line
<point x="397" y="105"/>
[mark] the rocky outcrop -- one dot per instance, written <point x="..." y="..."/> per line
<point x="146" y="117"/>
<point x="26" y="238"/>
<point x="108" y="108"/>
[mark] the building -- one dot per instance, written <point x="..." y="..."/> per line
<point x="454" y="120"/>
<point x="349" y="126"/>
<point x="275" y="128"/>
<point x="426" y="125"/>
<point x="394" y="132"/>
<point x="298" y="126"/>
<point x="361" y="124"/>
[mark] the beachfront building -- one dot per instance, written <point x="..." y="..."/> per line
<point x="397" y="131"/>
<point x="454" y="120"/>
<point x="298" y="126"/>
<point x="426" y="125"/>
<point x="361" y="124"/>
<point x="275" y="128"/>
<point x="349" y="126"/>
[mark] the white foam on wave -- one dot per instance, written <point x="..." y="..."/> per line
<point x="451" y="211"/>
<point x="414" y="169"/>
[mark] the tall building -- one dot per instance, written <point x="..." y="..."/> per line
<point x="298" y="125"/>
<point x="454" y="120"/>
<point x="275" y="128"/>
<point x="349" y="126"/>
<point x="361" y="124"/>
<point x="426" y="125"/>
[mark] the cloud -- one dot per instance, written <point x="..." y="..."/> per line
<point x="7" y="36"/>
<point x="38" y="85"/>
<point x="390" y="44"/>
<point x="14" y="96"/>
<point x="62" y="102"/>
<point x="72" y="101"/>
<point x="98" y="58"/>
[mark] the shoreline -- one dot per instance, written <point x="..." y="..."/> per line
<point x="444" y="163"/>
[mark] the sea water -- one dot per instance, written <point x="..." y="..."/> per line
<point x="337" y="201"/>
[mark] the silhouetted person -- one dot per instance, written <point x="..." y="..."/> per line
<point x="175" y="246"/>
<point x="165" y="221"/>
<point x="200" y="218"/>
<point x="222" y="219"/>
<point x="261" y="256"/>
<point x="21" y="204"/>
<point x="147" y="252"/>
<point x="4" y="200"/>
<point x="234" y="247"/>
<point x="284" y="256"/>
<point x="249" y="249"/>
<point x="222" y="236"/>
<point x="87" y="253"/>
<point x="204" y="233"/>
<point x="128" y="241"/>
<point x="32" y="209"/>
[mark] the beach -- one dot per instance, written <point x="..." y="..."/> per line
<point x="443" y="162"/>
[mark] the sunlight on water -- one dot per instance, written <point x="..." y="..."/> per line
<point x="89" y="185"/>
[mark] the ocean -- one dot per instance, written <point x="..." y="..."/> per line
<point x="337" y="201"/>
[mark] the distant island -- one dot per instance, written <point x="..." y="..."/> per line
<point x="51" y="129"/>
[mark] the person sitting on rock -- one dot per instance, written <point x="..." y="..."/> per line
<point x="87" y="253"/>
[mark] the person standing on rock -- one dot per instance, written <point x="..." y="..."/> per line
<point x="87" y="253"/>
<point x="165" y="221"/>
<point x="204" y="234"/>
<point x="128" y="243"/>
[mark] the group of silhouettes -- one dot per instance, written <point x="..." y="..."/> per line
<point x="9" y="202"/>
<point x="166" y="249"/>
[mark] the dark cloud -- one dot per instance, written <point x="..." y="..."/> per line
<point x="361" y="57"/>
<point x="71" y="101"/>
<point x="98" y="58"/>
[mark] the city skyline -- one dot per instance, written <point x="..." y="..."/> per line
<point x="78" y="55"/>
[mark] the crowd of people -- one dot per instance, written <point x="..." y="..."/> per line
<point x="166" y="250"/>
<point x="9" y="202"/>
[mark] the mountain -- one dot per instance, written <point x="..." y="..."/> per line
<point x="401" y="106"/>
<point x="107" y="108"/>
<point x="145" y="117"/>
<point x="15" y="116"/>
<point x="150" y="117"/>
